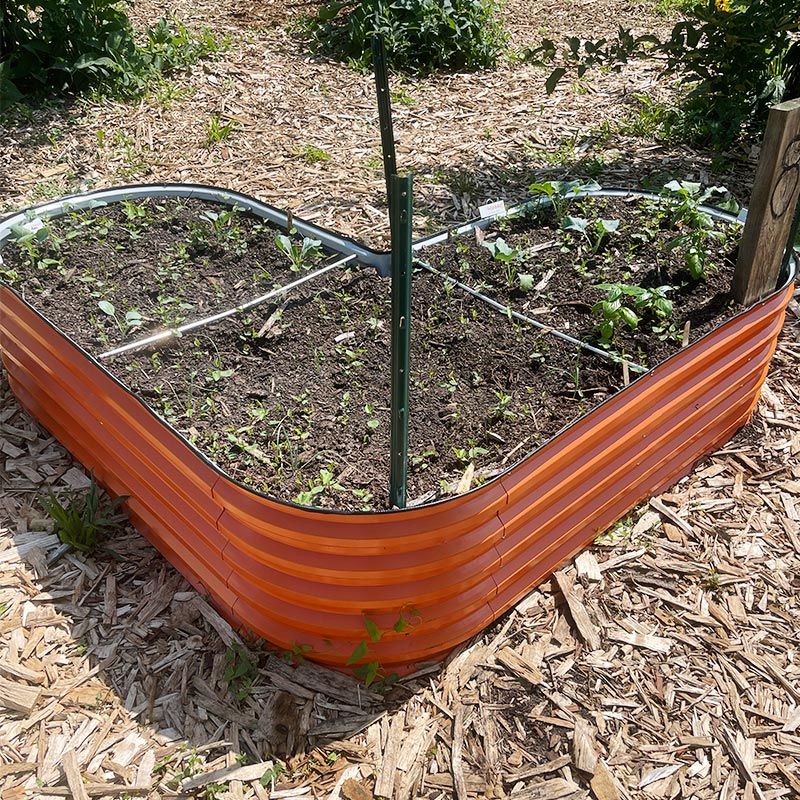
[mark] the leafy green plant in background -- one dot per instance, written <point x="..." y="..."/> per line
<point x="58" y="45"/>
<point x="737" y="57"/>
<point x="85" y="517"/>
<point x="740" y="57"/>
<point x="681" y="208"/>
<point x="422" y="36"/>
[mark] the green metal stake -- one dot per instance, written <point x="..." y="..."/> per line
<point x="384" y="112"/>
<point x="400" y="212"/>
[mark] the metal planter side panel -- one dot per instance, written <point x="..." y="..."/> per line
<point x="638" y="443"/>
<point x="129" y="449"/>
<point x="302" y="576"/>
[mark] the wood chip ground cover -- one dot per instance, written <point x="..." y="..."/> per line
<point x="693" y="690"/>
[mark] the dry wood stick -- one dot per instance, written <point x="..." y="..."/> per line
<point x="772" y="206"/>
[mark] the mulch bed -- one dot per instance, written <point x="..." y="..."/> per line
<point x="120" y="668"/>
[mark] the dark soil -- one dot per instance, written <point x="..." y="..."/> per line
<point x="565" y="272"/>
<point x="170" y="260"/>
<point x="292" y="397"/>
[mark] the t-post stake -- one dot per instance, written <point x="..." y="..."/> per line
<point x="400" y="212"/>
<point x="384" y="112"/>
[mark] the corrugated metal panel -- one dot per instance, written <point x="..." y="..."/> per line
<point x="308" y="577"/>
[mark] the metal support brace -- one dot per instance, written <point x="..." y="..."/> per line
<point x="400" y="212"/>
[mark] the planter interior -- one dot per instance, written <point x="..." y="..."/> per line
<point x="301" y="576"/>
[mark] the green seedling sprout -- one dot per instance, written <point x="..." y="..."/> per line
<point x="509" y="256"/>
<point x="299" y="255"/>
<point x="558" y="194"/>
<point x="594" y="232"/>
<point x="615" y="312"/>
<point x="130" y="322"/>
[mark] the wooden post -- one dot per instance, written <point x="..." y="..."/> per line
<point x="772" y="206"/>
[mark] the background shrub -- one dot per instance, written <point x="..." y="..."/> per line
<point x="422" y="36"/>
<point x="76" y="44"/>
<point x="736" y="57"/>
<point x="740" y="57"/>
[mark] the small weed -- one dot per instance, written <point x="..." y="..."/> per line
<point x="217" y="130"/>
<point x="312" y="154"/>
<point x="240" y="671"/>
<point x="403" y="98"/>
<point x="84" y="518"/>
<point x="711" y="580"/>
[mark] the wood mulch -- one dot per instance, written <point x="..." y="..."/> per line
<point x="662" y="662"/>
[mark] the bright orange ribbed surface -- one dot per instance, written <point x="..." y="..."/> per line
<point x="301" y="576"/>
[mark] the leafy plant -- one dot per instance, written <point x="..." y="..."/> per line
<point x="501" y="251"/>
<point x="299" y="255"/>
<point x="240" y="671"/>
<point x="595" y="232"/>
<point x="468" y="454"/>
<point x="508" y="256"/>
<point x="85" y="517"/>
<point x="325" y="483"/>
<point x="737" y="57"/>
<point x="132" y="319"/>
<point x="615" y="312"/>
<point x="422" y="36"/>
<point x="77" y="44"/>
<point x="682" y="205"/>
<point x="558" y="194"/>
<point x="586" y="54"/>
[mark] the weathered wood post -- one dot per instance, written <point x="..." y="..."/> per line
<point x="772" y="206"/>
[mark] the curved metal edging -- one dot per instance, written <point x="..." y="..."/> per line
<point x="188" y="191"/>
<point x="303" y="576"/>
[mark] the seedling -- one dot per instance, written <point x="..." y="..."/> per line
<point x="501" y="409"/>
<point x="466" y="455"/>
<point x="325" y="483"/>
<point x="558" y="194"/>
<point x="217" y="130"/>
<point x="240" y="671"/>
<point x="300" y="256"/>
<point x="83" y="519"/>
<point x="130" y="322"/>
<point x="615" y="312"/>
<point x="509" y="256"/>
<point x="595" y="232"/>
<point x="501" y="251"/>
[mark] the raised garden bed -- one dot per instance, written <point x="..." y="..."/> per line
<point x="287" y="400"/>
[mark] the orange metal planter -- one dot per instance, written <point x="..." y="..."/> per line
<point x="298" y="576"/>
